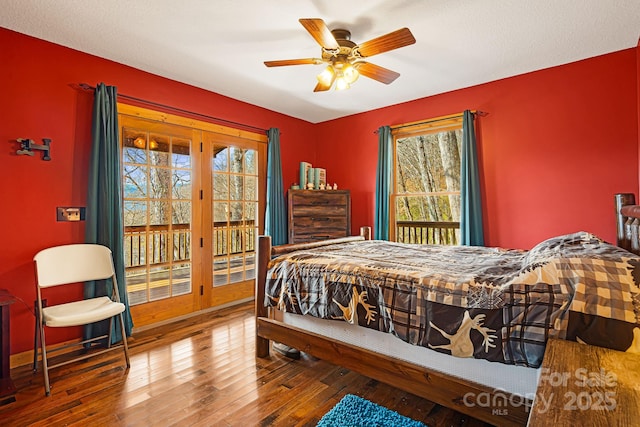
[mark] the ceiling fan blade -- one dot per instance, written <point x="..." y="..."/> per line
<point x="321" y="87"/>
<point x="394" y="40"/>
<point x="320" y="32"/>
<point x="284" y="62"/>
<point x="377" y="72"/>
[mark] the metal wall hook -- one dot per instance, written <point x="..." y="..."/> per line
<point x="27" y="146"/>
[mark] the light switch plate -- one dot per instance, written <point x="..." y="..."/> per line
<point x="70" y="213"/>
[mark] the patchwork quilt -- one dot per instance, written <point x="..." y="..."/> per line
<point x="491" y="303"/>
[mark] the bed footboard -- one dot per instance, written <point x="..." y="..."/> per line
<point x="265" y="253"/>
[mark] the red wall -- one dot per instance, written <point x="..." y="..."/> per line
<point x="554" y="148"/>
<point x="638" y="89"/>
<point x="37" y="102"/>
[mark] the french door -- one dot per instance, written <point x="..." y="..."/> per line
<point x="231" y="224"/>
<point x="193" y="205"/>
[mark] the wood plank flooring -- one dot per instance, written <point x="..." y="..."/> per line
<point x="202" y="371"/>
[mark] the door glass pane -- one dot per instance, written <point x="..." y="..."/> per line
<point x="159" y="211"/>
<point x="160" y="183"/>
<point x="158" y="150"/>
<point x="135" y="182"/>
<point x="236" y="159"/>
<point x="220" y="213"/>
<point x="181" y="184"/>
<point x="181" y="279"/>
<point x="250" y="187"/>
<point x="250" y="210"/>
<point x="134" y="147"/>
<point x="135" y="213"/>
<point x="157" y="182"/>
<point x="220" y="158"/>
<point x="235" y="187"/>
<point x="236" y="269"/>
<point x="236" y="211"/>
<point x="181" y="153"/>
<point x="220" y="271"/>
<point x="234" y="214"/>
<point x="181" y="213"/>
<point x="250" y="268"/>
<point x="161" y="288"/>
<point x="250" y="162"/>
<point x="220" y="186"/>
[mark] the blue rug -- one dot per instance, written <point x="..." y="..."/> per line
<point x="354" y="411"/>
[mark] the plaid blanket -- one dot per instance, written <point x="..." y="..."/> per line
<point x="491" y="303"/>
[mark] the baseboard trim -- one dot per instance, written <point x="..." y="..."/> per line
<point x="188" y="315"/>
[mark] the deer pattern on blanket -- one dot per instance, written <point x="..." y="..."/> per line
<point x="350" y="313"/>
<point x="460" y="343"/>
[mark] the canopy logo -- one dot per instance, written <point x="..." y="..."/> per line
<point x="590" y="390"/>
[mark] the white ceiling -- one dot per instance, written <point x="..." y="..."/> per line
<point x="220" y="45"/>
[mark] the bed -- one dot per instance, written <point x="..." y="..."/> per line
<point x="463" y="327"/>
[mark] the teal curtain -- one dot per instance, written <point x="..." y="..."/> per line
<point x="104" y="223"/>
<point x="275" y="224"/>
<point x="383" y="183"/>
<point x="471" y="233"/>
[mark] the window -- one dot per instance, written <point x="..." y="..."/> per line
<point x="425" y="204"/>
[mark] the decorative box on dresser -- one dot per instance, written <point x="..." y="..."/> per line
<point x="319" y="215"/>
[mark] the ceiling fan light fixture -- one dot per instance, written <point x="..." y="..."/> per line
<point x="327" y="75"/>
<point x="342" y="83"/>
<point x="350" y="73"/>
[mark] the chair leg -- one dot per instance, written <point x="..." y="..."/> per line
<point x="110" y="334"/>
<point x="45" y="365"/>
<point x="36" y="333"/>
<point x="124" y="341"/>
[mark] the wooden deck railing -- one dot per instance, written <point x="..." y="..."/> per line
<point x="428" y="232"/>
<point x="174" y="245"/>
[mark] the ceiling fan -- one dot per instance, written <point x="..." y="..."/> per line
<point x="345" y="59"/>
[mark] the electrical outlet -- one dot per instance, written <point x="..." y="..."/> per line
<point x="70" y="213"/>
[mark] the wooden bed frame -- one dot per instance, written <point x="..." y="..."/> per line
<point x="436" y="386"/>
<point x="628" y="222"/>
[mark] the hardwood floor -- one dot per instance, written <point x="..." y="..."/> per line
<point x="202" y="372"/>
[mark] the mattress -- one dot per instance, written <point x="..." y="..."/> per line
<point x="519" y="380"/>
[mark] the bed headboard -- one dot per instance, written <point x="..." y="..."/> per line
<point x="628" y="222"/>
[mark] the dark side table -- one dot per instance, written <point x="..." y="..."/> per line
<point x="7" y="389"/>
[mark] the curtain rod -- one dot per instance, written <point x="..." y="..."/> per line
<point x="85" y="86"/>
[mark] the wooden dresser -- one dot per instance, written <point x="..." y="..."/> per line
<point x="318" y="215"/>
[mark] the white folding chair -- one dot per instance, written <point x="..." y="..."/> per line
<point x="66" y="265"/>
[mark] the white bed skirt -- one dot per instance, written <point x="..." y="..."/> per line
<point x="518" y="380"/>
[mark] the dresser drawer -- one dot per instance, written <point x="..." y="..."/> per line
<point x="319" y="198"/>
<point x="320" y="223"/>
<point x="320" y="211"/>
<point x="308" y="235"/>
